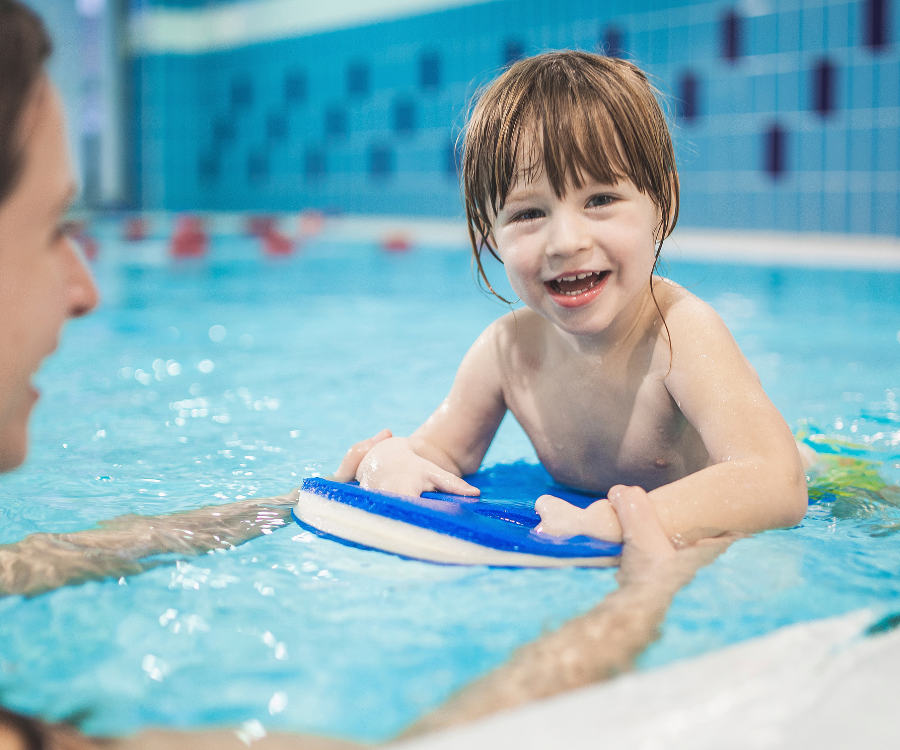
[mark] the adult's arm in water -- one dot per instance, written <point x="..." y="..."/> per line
<point x="18" y="732"/>
<point x="600" y="644"/>
<point x="590" y="648"/>
<point x="126" y="545"/>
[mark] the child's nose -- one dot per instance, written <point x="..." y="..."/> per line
<point x="568" y="235"/>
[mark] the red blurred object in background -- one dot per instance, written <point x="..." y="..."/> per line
<point x="311" y="223"/>
<point x="135" y="229"/>
<point x="260" y="226"/>
<point x="189" y="240"/>
<point x="276" y="243"/>
<point x="396" y="242"/>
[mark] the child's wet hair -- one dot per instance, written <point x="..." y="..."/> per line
<point x="569" y="115"/>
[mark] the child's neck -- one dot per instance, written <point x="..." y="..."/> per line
<point x="628" y="328"/>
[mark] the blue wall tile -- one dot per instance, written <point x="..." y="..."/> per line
<point x="246" y="128"/>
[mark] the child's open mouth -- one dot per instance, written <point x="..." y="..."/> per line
<point x="577" y="289"/>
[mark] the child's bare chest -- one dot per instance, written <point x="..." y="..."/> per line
<point x="597" y="424"/>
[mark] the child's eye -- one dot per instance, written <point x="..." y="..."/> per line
<point x="528" y="214"/>
<point x="596" y="201"/>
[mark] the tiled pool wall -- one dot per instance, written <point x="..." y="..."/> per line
<point x="786" y="111"/>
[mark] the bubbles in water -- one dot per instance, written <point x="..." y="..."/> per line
<point x="217" y="333"/>
<point x="173" y="368"/>
<point x="206" y="366"/>
<point x="155" y="667"/>
<point x="251" y="731"/>
<point x="278" y="702"/>
<point x="246" y="341"/>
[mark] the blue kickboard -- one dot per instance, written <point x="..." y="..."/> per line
<point x="502" y="518"/>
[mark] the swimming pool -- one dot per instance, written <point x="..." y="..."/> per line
<point x="237" y="376"/>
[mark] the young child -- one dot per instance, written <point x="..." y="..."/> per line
<point x="619" y="377"/>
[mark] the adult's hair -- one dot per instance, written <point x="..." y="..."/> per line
<point x="568" y="115"/>
<point x="24" y="47"/>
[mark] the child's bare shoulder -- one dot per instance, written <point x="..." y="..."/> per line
<point x="684" y="311"/>
<point x="518" y="336"/>
<point x="518" y="327"/>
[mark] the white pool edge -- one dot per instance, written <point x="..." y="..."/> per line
<point x="822" y="684"/>
<point x="777" y="249"/>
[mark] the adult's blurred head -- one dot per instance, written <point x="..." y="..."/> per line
<point x="43" y="281"/>
<point x="24" y="48"/>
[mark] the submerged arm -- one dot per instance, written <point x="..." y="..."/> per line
<point x="599" y="644"/>
<point x="124" y="545"/>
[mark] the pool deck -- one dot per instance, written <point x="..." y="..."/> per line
<point x="763" y="248"/>
<point x="823" y="684"/>
<point x="404" y="233"/>
<point x="865" y="252"/>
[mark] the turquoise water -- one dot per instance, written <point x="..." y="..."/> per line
<point x="199" y="383"/>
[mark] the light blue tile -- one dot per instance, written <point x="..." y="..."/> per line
<point x="861" y="78"/>
<point x="765" y="202"/>
<point x="888" y="94"/>
<point x="860" y="151"/>
<point x="809" y="148"/>
<point x="788" y="95"/>
<point x="860" y="213"/>
<point x="789" y="38"/>
<point x="884" y="213"/>
<point x="839" y="34"/>
<point x="887" y="149"/>
<point x="835" y="148"/>
<point x="787" y="206"/>
<point x="761" y="34"/>
<point x="809" y="208"/>
<point x="764" y="93"/>
<point x="834" y="212"/>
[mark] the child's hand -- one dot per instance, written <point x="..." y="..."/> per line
<point x="386" y="463"/>
<point x="640" y="524"/>
<point x="346" y="472"/>
<point x="559" y="518"/>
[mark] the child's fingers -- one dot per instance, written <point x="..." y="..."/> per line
<point x="641" y="528"/>
<point x="346" y="471"/>
<point x="557" y="516"/>
<point x="444" y="481"/>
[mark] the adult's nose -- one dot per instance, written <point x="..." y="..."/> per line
<point x="81" y="290"/>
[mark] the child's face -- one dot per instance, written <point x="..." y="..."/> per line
<point x="582" y="261"/>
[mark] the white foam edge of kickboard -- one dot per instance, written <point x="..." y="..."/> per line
<point x="371" y="530"/>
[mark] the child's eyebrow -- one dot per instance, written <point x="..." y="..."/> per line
<point x="520" y="194"/>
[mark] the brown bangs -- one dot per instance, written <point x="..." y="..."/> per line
<point x="569" y="115"/>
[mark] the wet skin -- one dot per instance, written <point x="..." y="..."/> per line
<point x="588" y="371"/>
<point x="43" y="281"/>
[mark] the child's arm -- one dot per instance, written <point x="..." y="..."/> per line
<point x="452" y="441"/>
<point x="755" y="479"/>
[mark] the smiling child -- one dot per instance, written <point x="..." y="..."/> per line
<point x="619" y="378"/>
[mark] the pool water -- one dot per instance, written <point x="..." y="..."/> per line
<point x="237" y="376"/>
